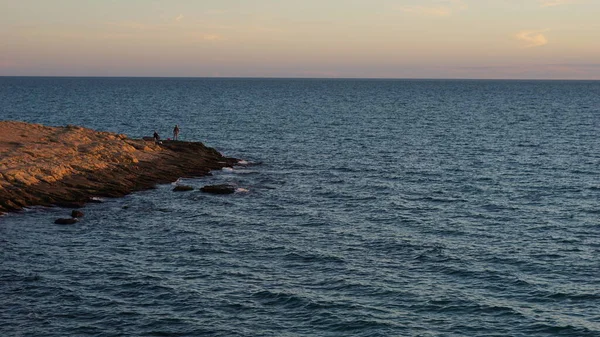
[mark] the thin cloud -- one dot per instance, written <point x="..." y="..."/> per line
<point x="211" y="37"/>
<point x="578" y="65"/>
<point x="458" y="5"/>
<point x="131" y="25"/>
<point x="317" y="73"/>
<point x="537" y="70"/>
<point x="532" y="38"/>
<point x="554" y="3"/>
<point x="215" y="12"/>
<point x="179" y="17"/>
<point x="443" y="9"/>
<point x="427" y="11"/>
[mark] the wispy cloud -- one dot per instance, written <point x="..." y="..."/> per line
<point x="439" y="8"/>
<point x="215" y="12"/>
<point x="131" y="25"/>
<point x="531" y="71"/>
<point x="211" y="37"/>
<point x="553" y="3"/>
<point x="174" y="32"/>
<point x="427" y="11"/>
<point x="179" y="18"/>
<point x="532" y="38"/>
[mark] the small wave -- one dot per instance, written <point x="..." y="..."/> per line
<point x="528" y="145"/>
<point x="462" y="306"/>
<point x="244" y="171"/>
<point x="350" y="326"/>
<point x="571" y="297"/>
<point x="435" y="254"/>
<point x="442" y="200"/>
<point x="281" y="298"/>
<point x="563" y="330"/>
<point x="591" y="211"/>
<point x="577" y="297"/>
<point x="227" y="169"/>
<point x="243" y="162"/>
<point x="497" y="208"/>
<point x="313" y="258"/>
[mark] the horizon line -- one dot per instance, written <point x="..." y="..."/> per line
<point x="307" y="78"/>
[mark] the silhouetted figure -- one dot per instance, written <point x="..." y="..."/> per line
<point x="156" y="138"/>
<point x="176" y="132"/>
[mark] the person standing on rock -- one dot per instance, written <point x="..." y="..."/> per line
<point x="176" y="132"/>
<point x="156" y="137"/>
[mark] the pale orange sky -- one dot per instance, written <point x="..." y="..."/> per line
<point x="539" y="39"/>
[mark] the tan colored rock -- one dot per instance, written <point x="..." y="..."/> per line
<point x="42" y="165"/>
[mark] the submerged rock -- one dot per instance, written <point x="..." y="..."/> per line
<point x="77" y="214"/>
<point x="66" y="221"/>
<point x="182" y="188"/>
<point x="218" y="189"/>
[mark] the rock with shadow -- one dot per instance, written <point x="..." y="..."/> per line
<point x="77" y="214"/>
<point x="218" y="189"/>
<point x="66" y="221"/>
<point x="182" y="188"/>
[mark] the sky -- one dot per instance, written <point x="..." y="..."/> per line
<point x="486" y="39"/>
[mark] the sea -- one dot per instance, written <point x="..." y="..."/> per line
<point x="364" y="207"/>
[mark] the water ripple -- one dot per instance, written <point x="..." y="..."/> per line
<point x="374" y="208"/>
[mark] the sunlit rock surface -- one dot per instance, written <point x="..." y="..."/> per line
<point x="42" y="165"/>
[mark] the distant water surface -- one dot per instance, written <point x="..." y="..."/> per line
<point x="373" y="208"/>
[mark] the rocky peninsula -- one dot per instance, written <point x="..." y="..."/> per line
<point x="69" y="166"/>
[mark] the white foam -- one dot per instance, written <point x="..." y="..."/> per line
<point x="242" y="162"/>
<point x="241" y="190"/>
<point x="228" y="169"/>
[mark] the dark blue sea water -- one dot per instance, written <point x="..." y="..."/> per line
<point x="374" y="208"/>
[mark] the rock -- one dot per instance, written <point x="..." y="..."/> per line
<point x="70" y="204"/>
<point x="218" y="189"/>
<point x="182" y="188"/>
<point x="66" y="221"/>
<point x="66" y="166"/>
<point x="77" y="214"/>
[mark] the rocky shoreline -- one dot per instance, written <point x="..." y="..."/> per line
<point x="70" y="166"/>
